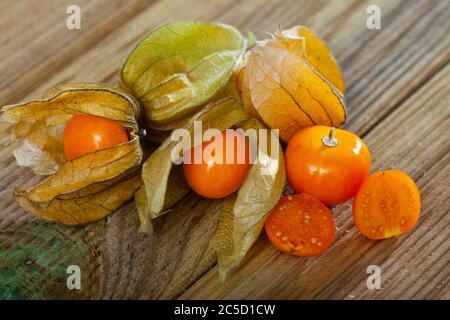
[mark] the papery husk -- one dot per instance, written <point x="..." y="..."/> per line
<point x="160" y="133"/>
<point x="307" y="45"/>
<point x="292" y="81"/>
<point x="87" y="170"/>
<point x="287" y="93"/>
<point x="161" y="190"/>
<point x="91" y="186"/>
<point x="177" y="188"/>
<point x="243" y="213"/>
<point x="82" y="210"/>
<point x="243" y="89"/>
<point x="42" y="150"/>
<point x="179" y="66"/>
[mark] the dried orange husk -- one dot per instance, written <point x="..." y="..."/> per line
<point x="179" y="66"/>
<point x="81" y="210"/>
<point x="72" y="192"/>
<point x="177" y="188"/>
<point x="164" y="183"/>
<point x="306" y="44"/>
<point x="242" y="87"/>
<point x="160" y="132"/>
<point x="243" y="213"/>
<point x="288" y="93"/>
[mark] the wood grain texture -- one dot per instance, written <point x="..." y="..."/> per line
<point x="36" y="50"/>
<point x="398" y="97"/>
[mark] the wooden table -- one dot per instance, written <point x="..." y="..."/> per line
<point x="398" y="97"/>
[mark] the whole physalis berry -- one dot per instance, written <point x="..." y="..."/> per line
<point x="217" y="168"/>
<point x="386" y="205"/>
<point x="300" y="225"/>
<point x="327" y="163"/>
<point x="86" y="133"/>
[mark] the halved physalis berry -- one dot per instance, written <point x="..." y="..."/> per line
<point x="300" y="225"/>
<point x="386" y="205"/>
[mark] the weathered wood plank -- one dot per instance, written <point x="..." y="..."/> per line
<point x="412" y="264"/>
<point x="382" y="68"/>
<point x="31" y="52"/>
